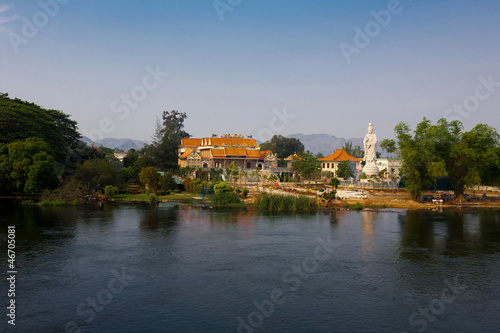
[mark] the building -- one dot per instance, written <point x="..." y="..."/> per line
<point x="221" y="151"/>
<point x="389" y="168"/>
<point x="330" y="163"/>
<point x="290" y="159"/>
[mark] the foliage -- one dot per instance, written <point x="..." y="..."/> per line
<point x="223" y="187"/>
<point x="70" y="191"/>
<point x="363" y="176"/>
<point x="280" y="202"/>
<point x="444" y="149"/>
<point x="167" y="182"/>
<point x="28" y="165"/>
<point x="308" y="166"/>
<point x="356" y="151"/>
<point x="110" y="191"/>
<point x="54" y="203"/>
<point x="225" y="198"/>
<point x="150" y="177"/>
<point x="98" y="173"/>
<point x="344" y="170"/>
<point x="357" y="206"/>
<point x="20" y="120"/>
<point x="334" y="182"/>
<point x="130" y="158"/>
<point x="283" y="147"/>
<point x="244" y="193"/>
<point x="187" y="184"/>
<point x="168" y="134"/>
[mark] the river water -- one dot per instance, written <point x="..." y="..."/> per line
<point x="182" y="268"/>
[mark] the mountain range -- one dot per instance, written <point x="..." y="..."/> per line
<point x="125" y="144"/>
<point x="324" y="143"/>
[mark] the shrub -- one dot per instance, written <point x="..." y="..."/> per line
<point x="223" y="187"/>
<point x="225" y="198"/>
<point x="187" y="184"/>
<point x="280" y="202"/>
<point x="357" y="206"/>
<point x="110" y="191"/>
<point x="245" y="193"/>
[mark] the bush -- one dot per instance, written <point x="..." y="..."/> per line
<point x="357" y="206"/>
<point x="187" y="184"/>
<point x="280" y="202"/>
<point x="225" y="198"/>
<point x="223" y="187"/>
<point x="245" y="193"/>
<point x="110" y="191"/>
<point x="54" y="203"/>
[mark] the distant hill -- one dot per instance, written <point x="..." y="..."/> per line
<point x="324" y="143"/>
<point x="113" y="143"/>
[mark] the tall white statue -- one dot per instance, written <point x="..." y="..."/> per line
<point x="370" y="145"/>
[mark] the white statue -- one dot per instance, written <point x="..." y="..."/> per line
<point x="370" y="144"/>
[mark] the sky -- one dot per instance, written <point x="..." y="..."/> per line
<point x="254" y="67"/>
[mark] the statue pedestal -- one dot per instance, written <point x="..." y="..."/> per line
<point x="371" y="169"/>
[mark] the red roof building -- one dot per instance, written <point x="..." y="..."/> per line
<point x="330" y="163"/>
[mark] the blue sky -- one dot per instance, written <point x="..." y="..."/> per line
<point x="238" y="66"/>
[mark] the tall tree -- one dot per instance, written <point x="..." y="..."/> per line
<point x="282" y="146"/>
<point x="28" y="165"/>
<point x="168" y="134"/>
<point x="308" y="166"/>
<point x="445" y="150"/>
<point x="344" y="170"/>
<point x="20" y="120"/>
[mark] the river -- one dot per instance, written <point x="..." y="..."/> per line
<point x="184" y="268"/>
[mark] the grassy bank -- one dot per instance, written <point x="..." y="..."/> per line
<point x="283" y="202"/>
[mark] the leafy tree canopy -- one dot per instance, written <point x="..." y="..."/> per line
<point x="168" y="134"/>
<point x="20" y="120"/>
<point x="445" y="149"/>
<point x="282" y="146"/>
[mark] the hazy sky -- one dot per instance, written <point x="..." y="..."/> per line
<point x="256" y="67"/>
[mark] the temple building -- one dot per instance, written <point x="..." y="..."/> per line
<point x="330" y="163"/>
<point x="220" y="151"/>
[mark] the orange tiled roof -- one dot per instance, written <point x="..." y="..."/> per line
<point x="238" y="142"/>
<point x="253" y="153"/>
<point x="186" y="154"/>
<point x="193" y="142"/>
<point x="292" y="157"/>
<point x="218" y="152"/>
<point x="340" y="155"/>
<point x="236" y="152"/>
<point x="264" y="153"/>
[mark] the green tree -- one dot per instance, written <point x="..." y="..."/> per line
<point x="110" y="191"/>
<point x="334" y="182"/>
<point x="344" y="170"/>
<point x="28" y="165"/>
<point x="308" y="166"/>
<point x="445" y="150"/>
<point x="98" y="173"/>
<point x="20" y="120"/>
<point x="353" y="151"/>
<point x="283" y="147"/>
<point x="150" y="177"/>
<point x="168" y="134"/>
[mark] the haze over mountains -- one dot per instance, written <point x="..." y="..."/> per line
<point x="324" y="143"/>
<point x="315" y="143"/>
<point x="125" y="144"/>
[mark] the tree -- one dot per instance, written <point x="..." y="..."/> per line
<point x="150" y="177"/>
<point x="356" y="151"/>
<point x="168" y="134"/>
<point x="20" y="120"/>
<point x="28" y="165"/>
<point x="319" y="155"/>
<point x="445" y="150"/>
<point x="98" y="173"/>
<point x="283" y="147"/>
<point x="334" y="182"/>
<point x="344" y="170"/>
<point x="308" y="166"/>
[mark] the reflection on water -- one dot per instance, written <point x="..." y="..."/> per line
<point x="198" y="269"/>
